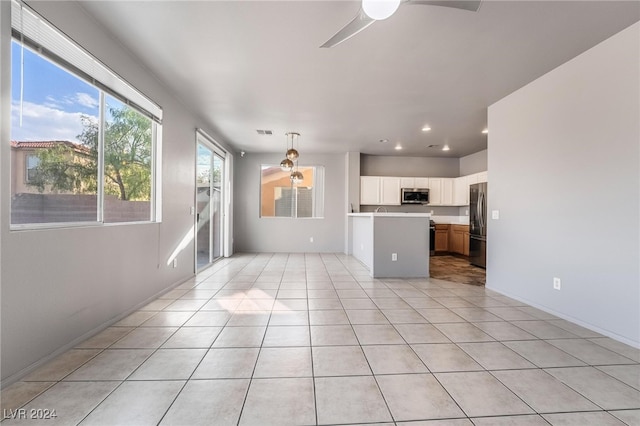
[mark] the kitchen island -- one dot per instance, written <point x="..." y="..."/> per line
<point x="391" y="244"/>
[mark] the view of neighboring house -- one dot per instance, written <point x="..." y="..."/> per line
<point x="25" y="160"/>
<point x="36" y="199"/>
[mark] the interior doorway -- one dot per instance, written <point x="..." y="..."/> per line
<point x="210" y="201"/>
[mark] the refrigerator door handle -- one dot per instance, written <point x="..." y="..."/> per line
<point x="481" y="211"/>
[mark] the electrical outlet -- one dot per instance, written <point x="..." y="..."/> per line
<point x="557" y="284"/>
<point x="192" y="211"/>
<point x="175" y="263"/>
<point x="310" y="239"/>
<point x="495" y="214"/>
<point x="466" y="212"/>
<point x="394" y="257"/>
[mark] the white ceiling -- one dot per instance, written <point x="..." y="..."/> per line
<point x="248" y="65"/>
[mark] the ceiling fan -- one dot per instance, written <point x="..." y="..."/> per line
<point x="377" y="10"/>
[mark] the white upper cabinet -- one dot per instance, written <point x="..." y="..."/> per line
<point x="435" y="191"/>
<point x="441" y="191"/>
<point x="447" y="192"/>
<point x="369" y="190"/>
<point x="409" y="182"/>
<point x="390" y="191"/>
<point x="380" y="190"/>
<point x="406" y="182"/>
<point x="461" y="191"/>
<point x="421" y="182"/>
<point x="386" y="190"/>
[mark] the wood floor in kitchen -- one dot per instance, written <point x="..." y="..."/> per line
<point x="456" y="269"/>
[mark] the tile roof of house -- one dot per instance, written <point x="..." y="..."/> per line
<point x="48" y="144"/>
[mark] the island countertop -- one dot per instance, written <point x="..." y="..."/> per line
<point x="391" y="244"/>
<point x="391" y="214"/>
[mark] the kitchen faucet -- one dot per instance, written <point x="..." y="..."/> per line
<point x="377" y="210"/>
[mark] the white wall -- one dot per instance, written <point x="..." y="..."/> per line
<point x="60" y="284"/>
<point x="255" y="234"/>
<point x="564" y="173"/>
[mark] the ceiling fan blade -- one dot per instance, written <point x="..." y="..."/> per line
<point x="359" y="23"/>
<point x="471" y="5"/>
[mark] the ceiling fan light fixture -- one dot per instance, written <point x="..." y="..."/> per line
<point x="380" y="9"/>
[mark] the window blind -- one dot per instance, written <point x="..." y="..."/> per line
<point x="35" y="32"/>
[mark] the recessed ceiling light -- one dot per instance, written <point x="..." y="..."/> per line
<point x="426" y="128"/>
<point x="446" y="147"/>
<point x="398" y="147"/>
<point x="485" y="131"/>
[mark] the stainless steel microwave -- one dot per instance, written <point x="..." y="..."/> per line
<point x="415" y="196"/>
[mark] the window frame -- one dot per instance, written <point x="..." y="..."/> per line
<point x="27" y="155"/>
<point x="317" y="199"/>
<point x="32" y="31"/>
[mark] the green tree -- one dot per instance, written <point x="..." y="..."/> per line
<point x="127" y="158"/>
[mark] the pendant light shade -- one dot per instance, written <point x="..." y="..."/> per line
<point x="286" y="165"/>
<point x="292" y="154"/>
<point x="297" y="177"/>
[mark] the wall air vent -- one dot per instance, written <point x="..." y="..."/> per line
<point x="264" y="132"/>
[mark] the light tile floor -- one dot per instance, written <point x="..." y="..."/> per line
<point x="279" y="339"/>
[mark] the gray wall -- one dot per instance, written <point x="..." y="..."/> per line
<point x="255" y="234"/>
<point x="59" y="285"/>
<point x="408" y="237"/>
<point x="564" y="164"/>
<point x="384" y="165"/>
<point x="473" y="163"/>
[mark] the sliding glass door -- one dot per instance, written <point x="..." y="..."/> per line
<point x="210" y="165"/>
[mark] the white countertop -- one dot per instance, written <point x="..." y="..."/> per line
<point x="391" y="214"/>
<point x="451" y="220"/>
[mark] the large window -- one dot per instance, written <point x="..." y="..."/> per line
<point x="279" y="197"/>
<point x="83" y="142"/>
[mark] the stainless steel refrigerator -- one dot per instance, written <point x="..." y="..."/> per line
<point x="478" y="224"/>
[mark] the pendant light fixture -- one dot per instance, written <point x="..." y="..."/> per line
<point x="286" y="165"/>
<point x="292" y="155"/>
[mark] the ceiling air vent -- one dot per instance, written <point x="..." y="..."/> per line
<point x="264" y="132"/>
